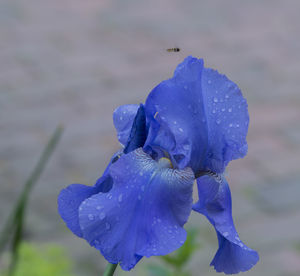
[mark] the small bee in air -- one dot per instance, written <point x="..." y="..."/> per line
<point x="173" y="50"/>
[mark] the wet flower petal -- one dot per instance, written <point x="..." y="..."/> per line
<point x="69" y="201"/>
<point x="227" y="120"/>
<point x="214" y="202"/>
<point x="138" y="132"/>
<point x="71" y="197"/>
<point x="199" y="117"/>
<point x="144" y="212"/>
<point x="123" y="118"/>
<point x="177" y="116"/>
<point x="105" y="182"/>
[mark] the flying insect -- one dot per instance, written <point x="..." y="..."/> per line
<point x="173" y="50"/>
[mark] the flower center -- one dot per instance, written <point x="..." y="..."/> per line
<point x="165" y="163"/>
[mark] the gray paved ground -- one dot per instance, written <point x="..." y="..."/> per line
<point x="73" y="62"/>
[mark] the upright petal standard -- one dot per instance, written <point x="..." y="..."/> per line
<point x="190" y="128"/>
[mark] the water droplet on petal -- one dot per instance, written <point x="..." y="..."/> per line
<point x="186" y="147"/>
<point x="215" y="99"/>
<point x="223" y="109"/>
<point x="91" y="217"/>
<point x="230" y="125"/>
<point x="102" y="215"/>
<point x="99" y="207"/>
<point x="180" y="129"/>
<point x="225" y="234"/>
<point x="230" y="109"/>
<point x="226" y="96"/>
<point x="120" y="197"/>
<point x="218" y="121"/>
<point x="214" y="111"/>
<point x="209" y="81"/>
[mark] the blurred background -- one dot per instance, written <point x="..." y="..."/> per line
<point x="73" y="62"/>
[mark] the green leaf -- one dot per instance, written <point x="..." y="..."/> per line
<point x="13" y="229"/>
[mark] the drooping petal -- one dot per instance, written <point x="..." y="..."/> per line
<point x="69" y="201"/>
<point x="233" y="256"/>
<point x="177" y="116"/>
<point x="199" y="116"/>
<point x="71" y="197"/>
<point x="138" y="132"/>
<point x="123" y="118"/>
<point x="144" y="212"/>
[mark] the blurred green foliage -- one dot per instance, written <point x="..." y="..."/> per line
<point x="296" y="246"/>
<point x="41" y="260"/>
<point x="177" y="260"/>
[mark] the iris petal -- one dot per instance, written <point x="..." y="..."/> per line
<point x="144" y="212"/>
<point x="138" y="131"/>
<point x="71" y="197"/>
<point x="69" y="201"/>
<point x="105" y="182"/>
<point x="123" y="118"/>
<point x="214" y="202"/>
<point x="227" y="120"/>
<point x="199" y="116"/>
<point x="177" y="116"/>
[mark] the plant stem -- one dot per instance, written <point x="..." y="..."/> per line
<point x="110" y="269"/>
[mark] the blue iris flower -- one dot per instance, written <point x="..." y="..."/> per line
<point x="190" y="128"/>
